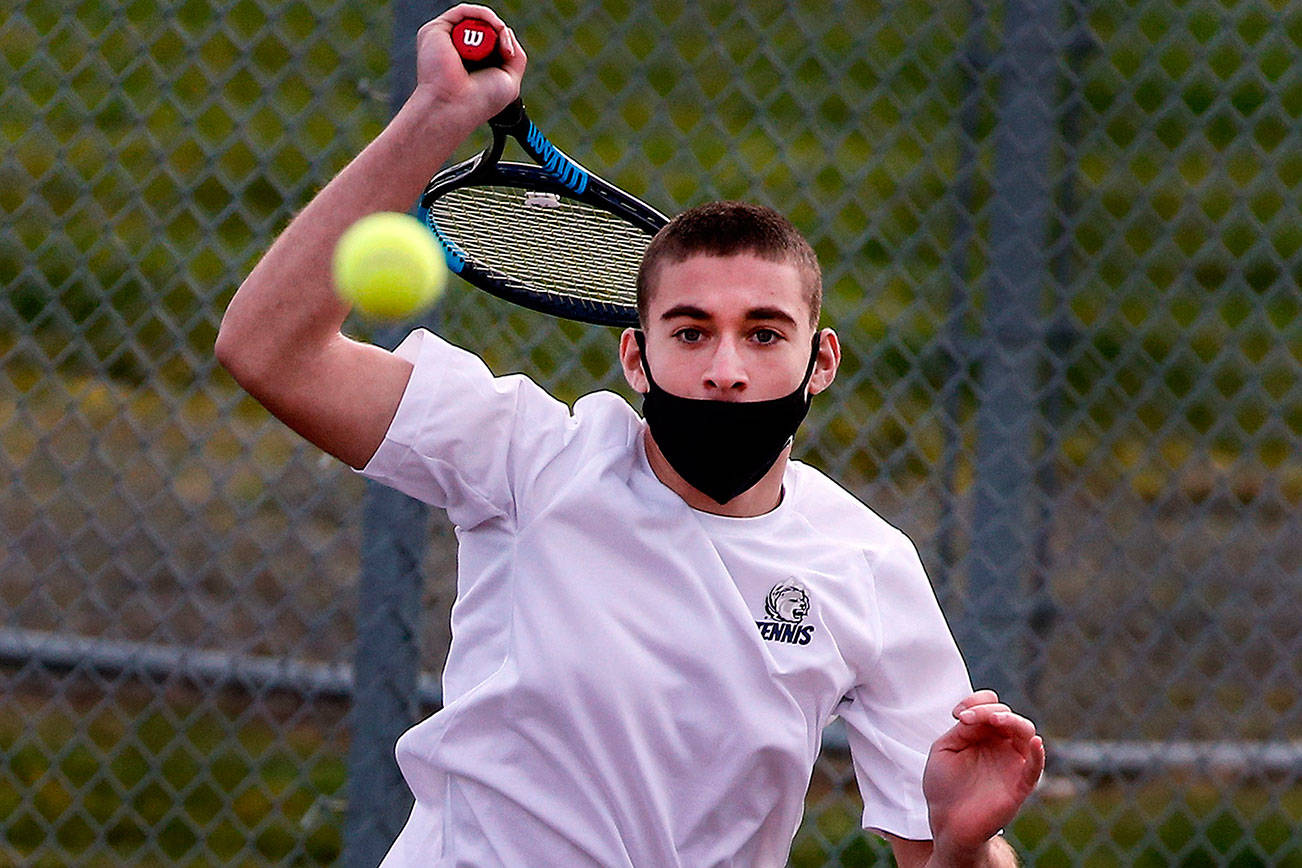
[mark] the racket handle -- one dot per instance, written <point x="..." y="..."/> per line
<point x="476" y="41"/>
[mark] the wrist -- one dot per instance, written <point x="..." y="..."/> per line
<point x="992" y="853"/>
<point x="429" y="112"/>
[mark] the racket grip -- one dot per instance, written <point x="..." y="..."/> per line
<point x="476" y="41"/>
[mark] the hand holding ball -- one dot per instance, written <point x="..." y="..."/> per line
<point x="389" y="266"/>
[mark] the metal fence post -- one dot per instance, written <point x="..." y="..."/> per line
<point x="395" y="534"/>
<point x="1002" y="537"/>
<point x="386" y="669"/>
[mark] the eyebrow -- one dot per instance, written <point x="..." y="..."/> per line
<point x="691" y="311"/>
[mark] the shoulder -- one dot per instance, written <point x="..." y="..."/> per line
<point x="606" y="418"/>
<point x="892" y="568"/>
<point x="879" y="579"/>
<point x="455" y="376"/>
<point x="837" y="515"/>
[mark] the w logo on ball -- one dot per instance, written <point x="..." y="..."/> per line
<point x="472" y="38"/>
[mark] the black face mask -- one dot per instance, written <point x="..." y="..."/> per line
<point x="722" y="448"/>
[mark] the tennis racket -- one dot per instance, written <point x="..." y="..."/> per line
<point x="552" y="237"/>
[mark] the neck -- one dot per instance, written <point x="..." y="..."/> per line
<point x="764" y="496"/>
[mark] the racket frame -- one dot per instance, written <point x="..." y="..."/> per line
<point x="555" y="173"/>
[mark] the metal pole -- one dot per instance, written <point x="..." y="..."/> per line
<point x="386" y="671"/>
<point x="395" y="531"/>
<point x="1003" y="534"/>
<point x="253" y="674"/>
<point x="1061" y="336"/>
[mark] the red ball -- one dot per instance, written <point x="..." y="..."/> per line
<point x="475" y="40"/>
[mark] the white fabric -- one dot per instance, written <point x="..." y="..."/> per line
<point x="611" y="696"/>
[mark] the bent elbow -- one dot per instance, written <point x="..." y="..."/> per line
<point x="238" y="355"/>
<point x="224" y="349"/>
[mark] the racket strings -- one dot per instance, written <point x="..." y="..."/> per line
<point x="544" y="243"/>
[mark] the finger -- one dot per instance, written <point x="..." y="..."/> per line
<point x="471" y="10"/>
<point x="982" y="712"/>
<point x="1000" y="722"/>
<point x="1034" y="766"/>
<point x="449" y="19"/>
<point x="979" y="697"/>
<point x="513" y="56"/>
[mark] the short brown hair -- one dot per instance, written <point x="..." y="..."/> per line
<point x="727" y="229"/>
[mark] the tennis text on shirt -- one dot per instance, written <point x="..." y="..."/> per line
<point x="722" y="448"/>
<point x="786" y="606"/>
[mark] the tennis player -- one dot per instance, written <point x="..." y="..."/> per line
<point x="656" y="617"/>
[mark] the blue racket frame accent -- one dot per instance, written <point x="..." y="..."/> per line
<point x="451" y="252"/>
<point x="569" y="173"/>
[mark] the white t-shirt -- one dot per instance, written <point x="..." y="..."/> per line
<point x="632" y="682"/>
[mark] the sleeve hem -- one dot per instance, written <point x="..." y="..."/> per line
<point x="909" y="826"/>
<point x="418" y="348"/>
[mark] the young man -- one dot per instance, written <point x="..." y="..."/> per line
<point x="655" y="620"/>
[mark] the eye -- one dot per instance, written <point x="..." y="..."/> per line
<point x="689" y="335"/>
<point x="766" y="336"/>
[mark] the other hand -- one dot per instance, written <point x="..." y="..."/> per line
<point x="979" y="773"/>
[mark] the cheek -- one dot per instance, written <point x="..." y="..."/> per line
<point x="675" y="379"/>
<point x="664" y="369"/>
<point x="782" y="377"/>
<point x="672" y="366"/>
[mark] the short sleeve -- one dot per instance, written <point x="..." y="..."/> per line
<point x="904" y="701"/>
<point x="462" y="439"/>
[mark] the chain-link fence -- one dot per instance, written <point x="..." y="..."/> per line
<point x="1062" y="244"/>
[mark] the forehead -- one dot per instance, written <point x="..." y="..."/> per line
<point x="724" y="286"/>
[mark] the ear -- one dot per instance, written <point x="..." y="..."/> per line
<point x="829" y="359"/>
<point x="630" y="359"/>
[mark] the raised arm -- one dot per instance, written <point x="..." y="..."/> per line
<point x="280" y="337"/>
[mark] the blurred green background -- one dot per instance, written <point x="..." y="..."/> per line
<point x="153" y="151"/>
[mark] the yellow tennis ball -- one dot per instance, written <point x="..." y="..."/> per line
<point x="388" y="265"/>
